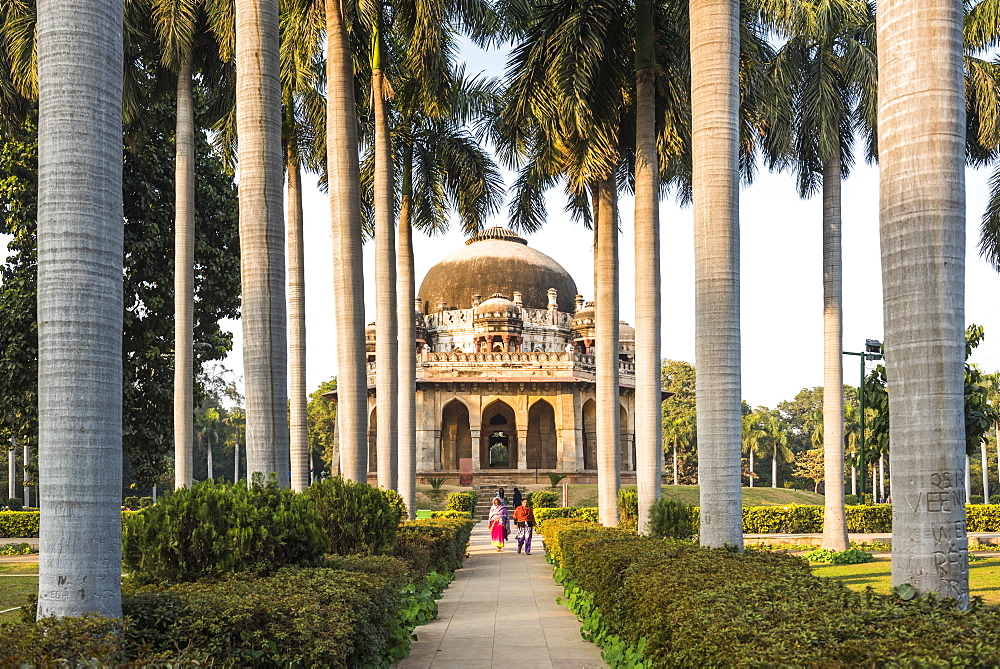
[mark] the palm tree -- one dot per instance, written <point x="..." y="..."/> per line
<point x="753" y="440"/>
<point x="181" y="28"/>
<point x="921" y="140"/>
<point x="648" y="397"/>
<point x="304" y="117"/>
<point x="992" y="383"/>
<point x="262" y="239"/>
<point x="776" y="435"/>
<point x="715" y="89"/>
<point x="825" y="84"/>
<point x="384" y="210"/>
<point x="348" y="282"/>
<point x="80" y="247"/>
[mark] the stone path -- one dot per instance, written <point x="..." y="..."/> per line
<point x="500" y="612"/>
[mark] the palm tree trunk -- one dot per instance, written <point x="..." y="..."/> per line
<point x="715" y="136"/>
<point x="606" y="356"/>
<point x="26" y="478"/>
<point x="751" y="467"/>
<point x="854" y="480"/>
<point x="298" y="433"/>
<point x="648" y="401"/>
<point x="184" y="208"/>
<point x="986" y="472"/>
<point x="209" y="465"/>
<point x="80" y="251"/>
<point x="407" y="343"/>
<point x="12" y="469"/>
<point x="968" y="479"/>
<point x="348" y="280"/>
<point x="881" y="477"/>
<point x="834" y="519"/>
<point x="262" y="238"/>
<point x="774" y="468"/>
<point x="386" y="344"/>
<point x="676" y="477"/>
<point x="236" y="457"/>
<point x="921" y="123"/>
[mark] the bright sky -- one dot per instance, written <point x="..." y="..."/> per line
<point x="781" y="280"/>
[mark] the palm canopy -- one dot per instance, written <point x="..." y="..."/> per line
<point x="569" y="112"/>
<point x="824" y="85"/>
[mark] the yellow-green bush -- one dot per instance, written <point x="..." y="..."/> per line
<point x="21" y="524"/>
<point x="583" y="512"/>
<point x="433" y="544"/>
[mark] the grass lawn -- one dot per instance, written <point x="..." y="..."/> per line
<point x="18" y="582"/>
<point x="984" y="577"/>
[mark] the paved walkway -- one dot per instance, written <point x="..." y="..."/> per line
<point x="499" y="612"/>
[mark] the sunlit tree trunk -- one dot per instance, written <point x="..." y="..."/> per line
<point x="298" y="432"/>
<point x="80" y="252"/>
<point x="348" y="279"/>
<point x="834" y="518"/>
<point x="715" y="137"/>
<point x="921" y="124"/>
<point x="184" y="182"/>
<point x="968" y="479"/>
<point x="407" y="343"/>
<point x="986" y="472"/>
<point x="386" y="344"/>
<point x="676" y="476"/>
<point x="774" y="468"/>
<point x="606" y="355"/>
<point x="262" y="238"/>
<point x="751" y="468"/>
<point x="648" y="401"/>
<point x="12" y="469"/>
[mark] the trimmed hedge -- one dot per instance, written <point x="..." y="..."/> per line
<point x="297" y="617"/>
<point x="675" y="604"/>
<point x="462" y="501"/>
<point x="433" y="544"/>
<point x="20" y="524"/>
<point x="583" y="512"/>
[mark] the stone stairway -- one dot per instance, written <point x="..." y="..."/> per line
<point x="485" y="492"/>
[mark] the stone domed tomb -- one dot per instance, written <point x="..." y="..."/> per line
<point x="505" y="368"/>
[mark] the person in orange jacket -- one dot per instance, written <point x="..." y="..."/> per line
<point x="525" y="519"/>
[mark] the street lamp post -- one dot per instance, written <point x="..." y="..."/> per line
<point x="873" y="351"/>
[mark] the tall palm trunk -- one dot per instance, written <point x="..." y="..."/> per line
<point x="834" y="518"/>
<point x="209" y="464"/>
<point x="986" y="472"/>
<point x="348" y="280"/>
<point x="262" y="237"/>
<point x="648" y="410"/>
<point x="921" y="123"/>
<point x="676" y="477"/>
<point x="751" y="468"/>
<point x="80" y="251"/>
<point x="386" y="351"/>
<point x="407" y="396"/>
<point x="12" y="469"/>
<point x="26" y="478"/>
<point x="774" y="468"/>
<point x="715" y="135"/>
<point x="968" y="479"/>
<point x="184" y="209"/>
<point x="606" y="356"/>
<point x="298" y="434"/>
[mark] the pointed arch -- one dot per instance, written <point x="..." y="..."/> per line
<point x="456" y="438"/>
<point x="498" y="437"/>
<point x="589" y="422"/>
<point x="541" y="446"/>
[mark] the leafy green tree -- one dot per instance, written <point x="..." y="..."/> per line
<point x="679" y="419"/>
<point x="148" y="317"/>
<point x="322" y="422"/>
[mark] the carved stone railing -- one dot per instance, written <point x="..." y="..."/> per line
<point x="525" y="356"/>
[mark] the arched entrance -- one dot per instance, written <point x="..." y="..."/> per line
<point x="590" y="434"/>
<point x="541" y="446"/>
<point x="498" y="437"/>
<point x="456" y="439"/>
<point x="372" y="434"/>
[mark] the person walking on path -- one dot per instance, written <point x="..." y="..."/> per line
<point x="499" y="522"/>
<point x="524" y="516"/>
<point x="501" y="496"/>
<point x="516" y="498"/>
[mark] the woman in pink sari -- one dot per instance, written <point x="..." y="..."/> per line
<point x="498" y="524"/>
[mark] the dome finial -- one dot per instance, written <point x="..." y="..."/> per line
<point x="497" y="234"/>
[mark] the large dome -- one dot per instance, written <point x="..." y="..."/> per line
<point x="496" y="261"/>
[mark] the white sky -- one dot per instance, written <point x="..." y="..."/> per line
<point x="781" y="280"/>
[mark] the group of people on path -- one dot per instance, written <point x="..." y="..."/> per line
<point x="524" y="518"/>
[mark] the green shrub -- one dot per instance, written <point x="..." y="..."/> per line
<point x="22" y="524"/>
<point x="462" y="501"/>
<point x="211" y="529"/>
<point x="145" y="502"/>
<point x="396" y="502"/>
<point x="583" y="512"/>
<point x="448" y="513"/>
<point x="670" y="519"/>
<point x="850" y="556"/>
<point x="628" y="508"/>
<point x="356" y="517"/>
<point x="669" y="604"/>
<point x="16" y="549"/>
<point x="433" y="544"/>
<point x="15" y="504"/>
<point x="436" y="483"/>
<point x="555" y="478"/>
<point x="975" y="499"/>
<point x="544" y="499"/>
<point x="131" y="503"/>
<point x="851" y="500"/>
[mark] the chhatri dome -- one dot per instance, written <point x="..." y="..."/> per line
<point x="496" y="261"/>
